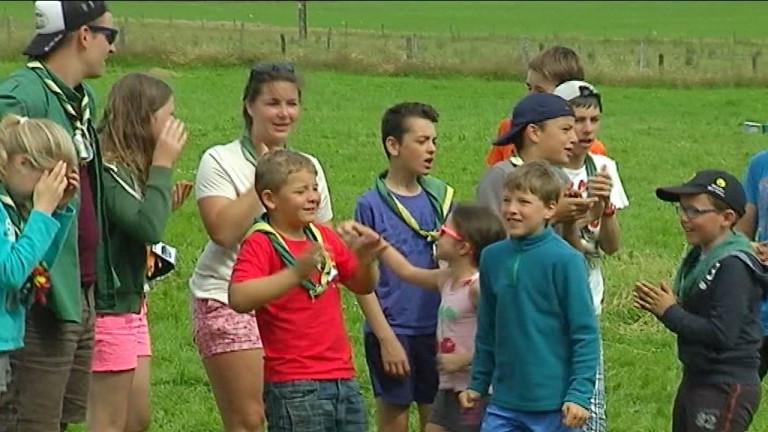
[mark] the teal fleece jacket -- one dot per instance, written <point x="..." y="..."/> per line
<point x="537" y="338"/>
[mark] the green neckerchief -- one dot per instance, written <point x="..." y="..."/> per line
<point x="440" y="196"/>
<point x="246" y="146"/>
<point x="589" y="162"/>
<point x="695" y="265"/>
<point x="80" y="118"/>
<point x="327" y="267"/>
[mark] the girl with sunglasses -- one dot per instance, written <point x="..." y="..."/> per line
<point x="466" y="232"/>
<point x="228" y="342"/>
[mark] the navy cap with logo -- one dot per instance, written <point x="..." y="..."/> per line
<point x="718" y="184"/>
<point x="54" y="19"/>
<point x="534" y="108"/>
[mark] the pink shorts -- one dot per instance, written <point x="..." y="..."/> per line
<point x="218" y="329"/>
<point x="119" y="341"/>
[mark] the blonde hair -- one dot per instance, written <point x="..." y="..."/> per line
<point x="45" y="142"/>
<point x="125" y="131"/>
<point x="557" y="65"/>
<point x="273" y="169"/>
<point x="537" y="178"/>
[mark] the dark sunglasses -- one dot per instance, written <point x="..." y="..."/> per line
<point x="110" y="34"/>
<point x="262" y="68"/>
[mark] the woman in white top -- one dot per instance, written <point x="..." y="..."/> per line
<point x="229" y="342"/>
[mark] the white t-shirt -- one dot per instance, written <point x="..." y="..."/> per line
<point x="590" y="234"/>
<point x="224" y="171"/>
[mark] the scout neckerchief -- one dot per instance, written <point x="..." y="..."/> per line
<point x="327" y="267"/>
<point x="80" y="118"/>
<point x="588" y="232"/>
<point x="39" y="280"/>
<point x="440" y="196"/>
<point x="246" y="145"/>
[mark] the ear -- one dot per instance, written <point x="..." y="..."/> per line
<point x="533" y="133"/>
<point x="465" y="248"/>
<point x="549" y="209"/>
<point x="82" y="36"/>
<point x="249" y="107"/>
<point x="392" y="145"/>
<point x="269" y="199"/>
<point x="730" y="218"/>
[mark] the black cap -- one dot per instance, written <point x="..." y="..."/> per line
<point x="534" y="108"/>
<point x="54" y="19"/>
<point x="718" y="184"/>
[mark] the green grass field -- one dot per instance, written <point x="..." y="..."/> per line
<point x="662" y="18"/>
<point x="657" y="136"/>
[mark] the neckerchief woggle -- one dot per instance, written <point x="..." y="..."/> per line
<point x="79" y="121"/>
<point x="440" y="204"/>
<point x="326" y="267"/>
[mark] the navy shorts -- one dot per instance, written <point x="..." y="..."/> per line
<point x="420" y="386"/>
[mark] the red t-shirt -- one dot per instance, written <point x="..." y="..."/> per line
<point x="303" y="338"/>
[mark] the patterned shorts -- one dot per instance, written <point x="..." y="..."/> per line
<point x="597" y="419"/>
<point x="218" y="329"/>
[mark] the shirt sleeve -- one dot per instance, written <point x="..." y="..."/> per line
<point x="253" y="259"/>
<point x="21" y="256"/>
<point x="483" y="361"/>
<point x="618" y="195"/>
<point x="490" y="188"/>
<point x="364" y="212"/>
<point x="212" y="179"/>
<point x="719" y="327"/>
<point x="752" y="180"/>
<point x="325" y="213"/>
<point x="64" y="217"/>
<point x="576" y="302"/>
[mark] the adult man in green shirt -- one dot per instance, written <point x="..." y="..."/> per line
<point x="51" y="374"/>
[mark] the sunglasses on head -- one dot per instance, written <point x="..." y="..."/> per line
<point x="262" y="68"/>
<point x="110" y="34"/>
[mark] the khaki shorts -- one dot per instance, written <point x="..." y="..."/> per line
<point x="51" y="374"/>
<point x="5" y="372"/>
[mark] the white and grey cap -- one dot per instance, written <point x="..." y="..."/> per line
<point x="54" y="19"/>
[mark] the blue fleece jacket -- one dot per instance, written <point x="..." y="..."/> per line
<point x="537" y="338"/>
<point x="23" y="245"/>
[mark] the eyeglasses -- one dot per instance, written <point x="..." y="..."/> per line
<point x="262" y="68"/>
<point x="450" y="232"/>
<point x="110" y="34"/>
<point x="693" y="212"/>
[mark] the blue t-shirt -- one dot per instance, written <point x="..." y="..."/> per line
<point x="410" y="310"/>
<point x="756" y="189"/>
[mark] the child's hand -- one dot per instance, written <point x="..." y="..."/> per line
<point x="50" y="188"/>
<point x="170" y="143"/>
<point x="600" y="185"/>
<point x="365" y="242"/>
<point x="653" y="299"/>
<point x="574" y="416"/>
<point x="180" y="192"/>
<point x="449" y="363"/>
<point x="570" y="208"/>
<point x="73" y="185"/>
<point x="761" y="250"/>
<point x="393" y="358"/>
<point x="468" y="398"/>
<point x="308" y="261"/>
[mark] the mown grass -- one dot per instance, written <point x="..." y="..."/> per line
<point x="713" y="43"/>
<point x="657" y="136"/>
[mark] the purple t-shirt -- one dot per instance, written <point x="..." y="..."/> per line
<point x="410" y="310"/>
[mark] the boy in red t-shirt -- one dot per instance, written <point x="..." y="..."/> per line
<point x="287" y="270"/>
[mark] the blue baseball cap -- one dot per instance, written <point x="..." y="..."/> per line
<point x="534" y="108"/>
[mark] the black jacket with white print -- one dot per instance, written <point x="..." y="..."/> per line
<point x="718" y="326"/>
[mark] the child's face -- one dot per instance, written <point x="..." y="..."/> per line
<point x="524" y="213"/>
<point x="536" y="83"/>
<point x="416" y="151"/>
<point x="586" y="125"/>
<point x="21" y="176"/>
<point x="555" y="140"/>
<point x="701" y="223"/>
<point x="161" y="117"/>
<point x="450" y="245"/>
<point x="298" y="200"/>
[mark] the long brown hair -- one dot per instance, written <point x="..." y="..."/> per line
<point x="125" y="131"/>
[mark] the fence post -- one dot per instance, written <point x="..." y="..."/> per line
<point x="641" y="63"/>
<point x="328" y="38"/>
<point x="409" y="54"/>
<point x="242" y="36"/>
<point x="282" y="44"/>
<point x="302" y="7"/>
<point x="9" y="27"/>
<point x="755" y="56"/>
<point x="661" y="62"/>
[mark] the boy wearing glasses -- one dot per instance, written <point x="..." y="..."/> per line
<point x="596" y="176"/>
<point x="72" y="42"/>
<point x="713" y="306"/>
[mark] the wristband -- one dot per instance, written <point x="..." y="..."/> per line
<point x="609" y="211"/>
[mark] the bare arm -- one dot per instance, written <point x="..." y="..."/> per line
<point x="227" y="220"/>
<point x="748" y="222"/>
<point x="252" y="294"/>
<point x="424" y="278"/>
<point x="365" y="278"/>
<point x="610" y="235"/>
